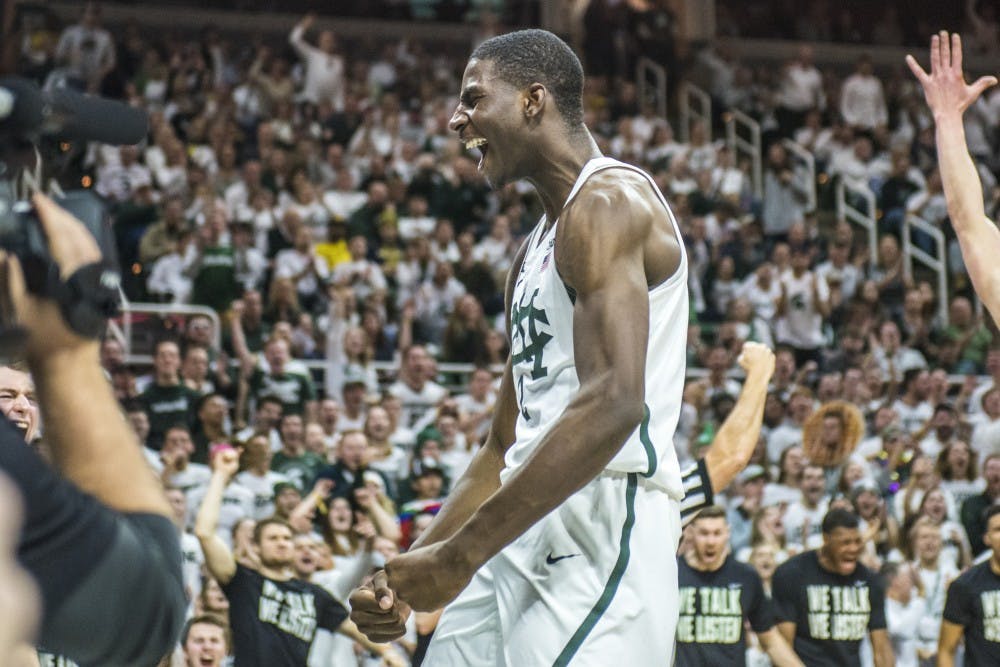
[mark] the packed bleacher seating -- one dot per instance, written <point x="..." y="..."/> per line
<point x="309" y="192"/>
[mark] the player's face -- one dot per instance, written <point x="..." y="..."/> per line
<point x="18" y="402"/>
<point x="486" y="118"/>
<point x="276" y="549"/>
<point x="842" y="547"/>
<point x="205" y="645"/>
<point x="710" y="539"/>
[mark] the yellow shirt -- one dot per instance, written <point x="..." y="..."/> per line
<point x="333" y="253"/>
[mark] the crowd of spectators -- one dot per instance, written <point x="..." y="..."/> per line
<point x="313" y="197"/>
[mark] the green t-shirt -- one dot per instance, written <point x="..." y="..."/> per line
<point x="167" y="406"/>
<point x="977" y="346"/>
<point x="292" y="389"/>
<point x="215" y="284"/>
<point x="302" y="469"/>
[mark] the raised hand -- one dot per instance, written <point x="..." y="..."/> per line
<point x="226" y="461"/>
<point x="944" y="88"/>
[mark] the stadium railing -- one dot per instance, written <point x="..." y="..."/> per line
<point x="938" y="264"/>
<point x="696" y="105"/>
<point x="651" y="78"/>
<point x="806" y="172"/>
<point x="856" y="205"/>
<point x="743" y="137"/>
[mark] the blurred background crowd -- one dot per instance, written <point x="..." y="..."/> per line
<point x="329" y="267"/>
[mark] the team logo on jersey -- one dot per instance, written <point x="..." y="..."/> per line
<point x="528" y="342"/>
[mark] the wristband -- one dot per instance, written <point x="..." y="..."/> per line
<point x="88" y="298"/>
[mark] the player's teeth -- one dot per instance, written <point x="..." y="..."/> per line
<point x="474" y="143"/>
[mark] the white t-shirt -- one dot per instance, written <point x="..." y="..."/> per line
<point x="290" y="262"/>
<point x="417" y="403"/>
<point x="804" y="526"/>
<point x="262" y="489"/>
<point x="801" y="88"/>
<point x="237" y="503"/>
<point x="192" y="559"/>
<point x="913" y="418"/>
<point x="902" y="623"/>
<point x="862" y="102"/>
<point x="802" y="324"/>
<point x="193" y="476"/>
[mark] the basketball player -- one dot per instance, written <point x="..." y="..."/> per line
<point x="949" y="96"/>
<point x="555" y="546"/>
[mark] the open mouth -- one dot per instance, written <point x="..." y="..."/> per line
<point x="207" y="660"/>
<point x="481" y="144"/>
<point x="21" y="426"/>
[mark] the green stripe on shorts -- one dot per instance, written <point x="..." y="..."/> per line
<point x="647" y="443"/>
<point x="603" y="602"/>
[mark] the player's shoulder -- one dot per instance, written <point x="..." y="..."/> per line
<point x="615" y="188"/>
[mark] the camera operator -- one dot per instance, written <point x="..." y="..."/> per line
<point x="97" y="537"/>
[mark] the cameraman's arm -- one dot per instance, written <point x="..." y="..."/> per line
<point x="115" y="545"/>
<point x="92" y="445"/>
<point x="218" y="558"/>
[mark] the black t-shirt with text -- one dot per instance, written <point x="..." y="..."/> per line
<point x="974" y="603"/>
<point x="832" y="613"/>
<point x="167" y="406"/>
<point x="274" y="622"/>
<point x="713" y="606"/>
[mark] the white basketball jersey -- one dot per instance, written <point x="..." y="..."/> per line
<point x="544" y="364"/>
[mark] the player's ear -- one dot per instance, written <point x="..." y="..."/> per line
<point x="533" y="100"/>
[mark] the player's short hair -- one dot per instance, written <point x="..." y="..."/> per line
<point x="710" y="512"/>
<point x="206" y="619"/>
<point x="839" y="518"/>
<point x="525" y="57"/>
<point x="258" y="529"/>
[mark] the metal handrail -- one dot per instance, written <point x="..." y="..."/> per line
<point x="808" y="161"/>
<point x="645" y="69"/>
<point x="854" y="215"/>
<point x="690" y="94"/>
<point x="129" y="310"/>
<point x="937" y="264"/>
<point x="736" y="121"/>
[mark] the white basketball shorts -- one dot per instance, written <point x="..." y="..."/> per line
<point x="593" y="584"/>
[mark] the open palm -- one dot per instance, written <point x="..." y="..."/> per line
<point x="944" y="88"/>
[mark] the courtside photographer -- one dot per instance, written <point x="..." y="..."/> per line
<point x="97" y="537"/>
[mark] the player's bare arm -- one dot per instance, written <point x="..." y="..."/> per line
<point x="613" y="243"/>
<point x="374" y="607"/>
<point x="737" y="437"/>
<point x="949" y="96"/>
